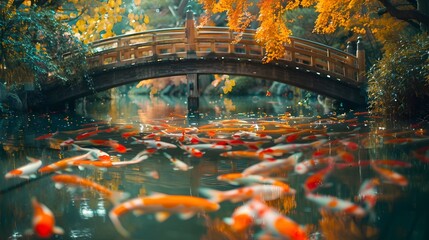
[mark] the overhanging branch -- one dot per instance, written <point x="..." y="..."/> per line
<point x="405" y="15"/>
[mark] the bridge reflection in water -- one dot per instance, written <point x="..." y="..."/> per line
<point x="192" y="51"/>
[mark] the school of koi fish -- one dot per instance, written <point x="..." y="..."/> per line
<point x="281" y="146"/>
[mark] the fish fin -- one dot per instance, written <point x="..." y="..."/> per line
<point x="24" y="177"/>
<point x="213" y="195"/>
<point x="186" y="215"/>
<point x="115" y="220"/>
<point x="33" y="175"/>
<point x="71" y="190"/>
<point x="59" y="185"/>
<point x="176" y="169"/>
<point x="138" y="212"/>
<point x="68" y="170"/>
<point x="228" y="220"/>
<point x="158" y="194"/>
<point x="58" y="230"/>
<point x="81" y="167"/>
<point x="28" y="232"/>
<point x="162" y="216"/>
<point x="31" y="159"/>
<point x="118" y="196"/>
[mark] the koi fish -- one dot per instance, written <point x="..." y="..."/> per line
<point x="97" y="153"/>
<point x="75" y="181"/>
<point x="163" y="205"/>
<point x="153" y="143"/>
<point x="127" y="135"/>
<point x="178" y="165"/>
<point x="43" y="221"/>
<point x="268" y="167"/>
<point x="248" y="154"/>
<point x="240" y="178"/>
<point x="280" y="149"/>
<point x="390" y="176"/>
<point x="307" y="165"/>
<point x="266" y="192"/>
<point x="65" y="163"/>
<point x="103" y="164"/>
<point x="336" y="204"/>
<point x="316" y="180"/>
<point x="242" y="218"/>
<point x="277" y="224"/>
<point x="46" y="136"/>
<point x="117" y="146"/>
<point x="368" y="193"/>
<point x="218" y="146"/>
<point x="251" y="135"/>
<point x="422" y="154"/>
<point x="87" y="134"/>
<point x="191" y="150"/>
<point x="27" y="171"/>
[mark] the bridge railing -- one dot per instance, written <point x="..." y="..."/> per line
<point x="175" y="43"/>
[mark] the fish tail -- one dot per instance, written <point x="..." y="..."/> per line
<point x="117" y="224"/>
<point x="213" y="195"/>
<point x="118" y="196"/>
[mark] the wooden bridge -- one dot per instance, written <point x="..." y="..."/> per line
<point x="210" y="50"/>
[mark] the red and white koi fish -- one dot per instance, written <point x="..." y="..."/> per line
<point x="62" y="180"/>
<point x="240" y="178"/>
<point x="271" y="221"/>
<point x="280" y="149"/>
<point x="251" y="135"/>
<point x="65" y="163"/>
<point x="163" y="205"/>
<point x="47" y="136"/>
<point x="191" y="150"/>
<point x="178" y="165"/>
<point x="43" y="221"/>
<point x="96" y="153"/>
<point x="154" y="144"/>
<point x="27" y="171"/>
<point x="248" y="154"/>
<point x="316" y="180"/>
<point x="336" y="205"/>
<point x="88" y="142"/>
<point x="268" y="167"/>
<point x="390" y="176"/>
<point x="308" y="165"/>
<point x="266" y="192"/>
<point x="117" y="147"/>
<point x="368" y="193"/>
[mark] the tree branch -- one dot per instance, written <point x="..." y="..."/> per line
<point x="405" y="15"/>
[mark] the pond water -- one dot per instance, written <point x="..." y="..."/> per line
<point x="347" y="149"/>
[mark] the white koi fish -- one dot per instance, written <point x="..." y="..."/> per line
<point x="268" y="167"/>
<point x="266" y="192"/>
<point x="154" y="144"/>
<point x="336" y="204"/>
<point x="178" y="165"/>
<point x="163" y="205"/>
<point x="280" y="149"/>
<point x="27" y="171"/>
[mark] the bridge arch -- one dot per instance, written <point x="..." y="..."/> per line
<point x="210" y="50"/>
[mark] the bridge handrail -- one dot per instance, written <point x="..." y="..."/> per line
<point x="175" y="43"/>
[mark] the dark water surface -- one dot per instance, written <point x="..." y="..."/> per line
<point x="400" y="212"/>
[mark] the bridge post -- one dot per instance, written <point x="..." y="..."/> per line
<point x="360" y="55"/>
<point x="190" y="32"/>
<point x="193" y="92"/>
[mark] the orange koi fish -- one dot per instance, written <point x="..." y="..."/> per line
<point x="266" y="192"/>
<point x="65" y="163"/>
<point x="268" y="167"/>
<point x="103" y="164"/>
<point x="178" y="165"/>
<point x="127" y="135"/>
<point x="248" y="154"/>
<point x="336" y="205"/>
<point x="43" y="221"/>
<point x="390" y="176"/>
<point x="46" y="136"/>
<point x="75" y="181"/>
<point x="27" y="171"/>
<point x="163" y="205"/>
<point x="242" y="218"/>
<point x="119" y="148"/>
<point x="422" y="154"/>
<point x="87" y="134"/>
<point x="316" y="180"/>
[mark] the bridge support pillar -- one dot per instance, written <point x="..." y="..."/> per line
<point x="193" y="92"/>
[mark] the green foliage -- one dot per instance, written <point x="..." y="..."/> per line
<point x="398" y="84"/>
<point x="33" y="47"/>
